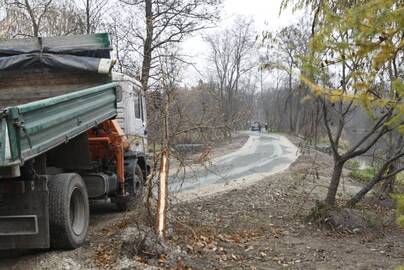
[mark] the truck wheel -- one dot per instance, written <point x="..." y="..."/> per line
<point x="134" y="185"/>
<point x="69" y="212"/>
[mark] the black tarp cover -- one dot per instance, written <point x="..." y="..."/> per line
<point x="87" y="53"/>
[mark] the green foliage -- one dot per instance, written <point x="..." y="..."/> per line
<point x="355" y="57"/>
<point x="400" y="179"/>
<point x="352" y="164"/>
<point x="366" y="40"/>
<point x="400" y="209"/>
<point x="363" y="175"/>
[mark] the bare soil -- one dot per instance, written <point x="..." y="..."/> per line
<point x="262" y="227"/>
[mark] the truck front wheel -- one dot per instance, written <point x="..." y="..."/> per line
<point x="68" y="210"/>
<point x="134" y="185"/>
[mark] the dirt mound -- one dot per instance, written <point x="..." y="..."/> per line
<point x="317" y="163"/>
<point x="346" y="220"/>
<point x="143" y="242"/>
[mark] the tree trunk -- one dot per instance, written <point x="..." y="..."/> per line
<point x="388" y="187"/>
<point x="162" y="201"/>
<point x="390" y="167"/>
<point x="298" y="113"/>
<point x="388" y="184"/>
<point x="335" y="179"/>
<point x="359" y="196"/>
<point x="88" y="30"/>
<point x="147" y="48"/>
<point x="290" y="97"/>
<point x="35" y="26"/>
<point x="317" y="120"/>
<point x="368" y="187"/>
<point x="146" y="65"/>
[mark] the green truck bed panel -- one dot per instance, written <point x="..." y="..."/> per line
<point x="31" y="129"/>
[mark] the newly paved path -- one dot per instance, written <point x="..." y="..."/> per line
<point x="262" y="155"/>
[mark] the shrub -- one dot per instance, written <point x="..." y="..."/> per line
<point x="400" y="209"/>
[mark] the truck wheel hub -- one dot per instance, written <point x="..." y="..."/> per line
<point x="77" y="212"/>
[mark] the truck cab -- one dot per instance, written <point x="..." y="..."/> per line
<point x="132" y="114"/>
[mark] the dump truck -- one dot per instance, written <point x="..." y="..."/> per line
<point x="71" y="131"/>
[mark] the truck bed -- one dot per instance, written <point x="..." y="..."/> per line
<point x="33" y="128"/>
<point x="38" y="68"/>
<point x="20" y="87"/>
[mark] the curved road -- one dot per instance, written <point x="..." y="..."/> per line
<point x="262" y="155"/>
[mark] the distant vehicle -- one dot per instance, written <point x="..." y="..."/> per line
<point x="256" y="126"/>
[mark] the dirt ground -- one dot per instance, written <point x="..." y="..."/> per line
<point x="260" y="226"/>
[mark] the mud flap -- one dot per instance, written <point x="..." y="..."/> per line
<point x="24" y="215"/>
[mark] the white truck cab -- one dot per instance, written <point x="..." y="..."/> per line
<point x="132" y="115"/>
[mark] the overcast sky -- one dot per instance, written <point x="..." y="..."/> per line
<point x="265" y="14"/>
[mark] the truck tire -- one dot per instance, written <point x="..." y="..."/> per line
<point x="69" y="212"/>
<point x="134" y="185"/>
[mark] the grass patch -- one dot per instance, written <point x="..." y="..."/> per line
<point x="400" y="179"/>
<point x="352" y="164"/>
<point x="400" y="183"/>
<point x="343" y="144"/>
<point x="363" y="175"/>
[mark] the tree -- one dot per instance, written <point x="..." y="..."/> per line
<point x="284" y="50"/>
<point x="43" y="18"/>
<point x="353" y="60"/>
<point x="230" y="54"/>
<point x="170" y="70"/>
<point x="25" y="13"/>
<point x="165" y="23"/>
<point x="93" y="14"/>
<point x="168" y="22"/>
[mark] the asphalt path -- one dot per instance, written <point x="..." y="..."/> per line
<point x="262" y="155"/>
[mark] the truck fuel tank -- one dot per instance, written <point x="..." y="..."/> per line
<point x="100" y="184"/>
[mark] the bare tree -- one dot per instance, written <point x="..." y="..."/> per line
<point x="230" y="54"/>
<point x="284" y="50"/>
<point x="169" y="22"/>
<point x="47" y="18"/>
<point x="30" y="11"/>
<point x="170" y="73"/>
<point x="94" y="11"/>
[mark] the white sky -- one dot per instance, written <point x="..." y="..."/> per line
<point x="266" y="17"/>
